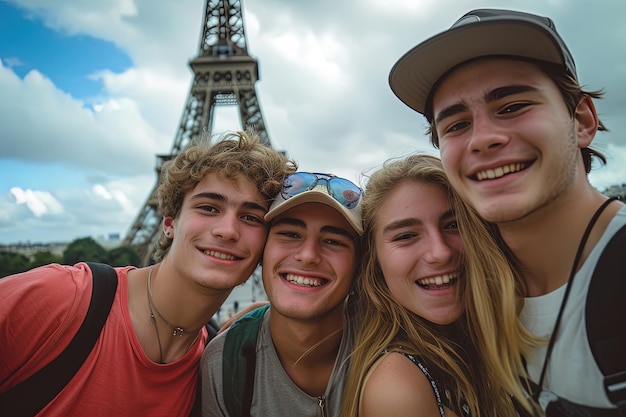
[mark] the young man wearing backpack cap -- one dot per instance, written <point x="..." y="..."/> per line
<point x="514" y="128"/>
<point x="290" y="358"/>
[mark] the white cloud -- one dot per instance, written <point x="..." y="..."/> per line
<point x="44" y="124"/>
<point x="39" y="202"/>
<point x="323" y="93"/>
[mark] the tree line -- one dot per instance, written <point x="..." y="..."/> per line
<point x="83" y="249"/>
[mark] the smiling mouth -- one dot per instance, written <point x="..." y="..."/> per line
<point x="220" y="255"/>
<point x="303" y="281"/>
<point x="440" y="282"/>
<point x="491" y="174"/>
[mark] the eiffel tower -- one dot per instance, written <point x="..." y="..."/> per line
<point x="224" y="74"/>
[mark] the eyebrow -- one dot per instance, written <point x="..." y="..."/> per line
<point x="449" y="111"/>
<point x="490" y="97"/>
<point x="251" y="205"/>
<point x="399" y="224"/>
<point x="338" y="231"/>
<point x="508" y="90"/>
<point x="291" y="221"/>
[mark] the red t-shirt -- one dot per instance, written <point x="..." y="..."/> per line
<point x="40" y="312"/>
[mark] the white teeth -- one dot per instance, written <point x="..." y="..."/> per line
<point x="297" y="279"/>
<point x="500" y="171"/>
<point x="439" y="280"/>
<point x="220" y="255"/>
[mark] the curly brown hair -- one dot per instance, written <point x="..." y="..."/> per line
<point x="236" y="154"/>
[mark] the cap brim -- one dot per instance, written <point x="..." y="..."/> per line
<point x="416" y="73"/>
<point x="312" y="196"/>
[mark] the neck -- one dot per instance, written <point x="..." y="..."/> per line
<point x="178" y="301"/>
<point x="299" y="342"/>
<point x="307" y="351"/>
<point x="545" y="242"/>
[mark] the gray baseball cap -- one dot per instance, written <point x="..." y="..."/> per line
<point x="479" y="33"/>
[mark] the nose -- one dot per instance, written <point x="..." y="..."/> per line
<point x="227" y="228"/>
<point x="308" y="251"/>
<point x="439" y="251"/>
<point x="486" y="135"/>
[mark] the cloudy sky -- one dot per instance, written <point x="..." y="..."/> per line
<point x="91" y="91"/>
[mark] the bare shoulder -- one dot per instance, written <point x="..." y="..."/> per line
<point x="395" y="386"/>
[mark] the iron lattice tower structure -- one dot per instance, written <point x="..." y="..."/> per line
<point x="224" y="74"/>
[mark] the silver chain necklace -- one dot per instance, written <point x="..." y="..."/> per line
<point x="176" y="330"/>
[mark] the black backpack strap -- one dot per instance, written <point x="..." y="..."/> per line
<point x="239" y="362"/>
<point x="31" y="395"/>
<point x="605" y="313"/>
<point x="212" y="328"/>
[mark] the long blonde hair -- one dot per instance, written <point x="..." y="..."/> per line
<point x="488" y="293"/>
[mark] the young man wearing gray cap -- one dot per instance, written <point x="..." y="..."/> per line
<point x="297" y="363"/>
<point x="514" y="126"/>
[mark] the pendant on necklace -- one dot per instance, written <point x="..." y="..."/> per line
<point x="178" y="331"/>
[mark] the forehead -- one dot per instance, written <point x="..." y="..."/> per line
<point x="414" y="199"/>
<point x="479" y="76"/>
<point x="237" y="188"/>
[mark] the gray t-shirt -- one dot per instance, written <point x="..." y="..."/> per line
<point x="275" y="394"/>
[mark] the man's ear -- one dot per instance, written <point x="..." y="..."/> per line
<point x="587" y="122"/>
<point x="168" y="226"/>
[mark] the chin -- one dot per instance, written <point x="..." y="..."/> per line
<point x="447" y="318"/>
<point x="498" y="212"/>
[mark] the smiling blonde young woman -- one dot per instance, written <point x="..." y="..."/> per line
<point x="439" y="333"/>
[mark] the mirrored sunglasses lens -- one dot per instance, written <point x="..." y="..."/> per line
<point x="297" y="183"/>
<point x="347" y="193"/>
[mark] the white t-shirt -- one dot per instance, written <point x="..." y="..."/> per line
<point x="572" y="372"/>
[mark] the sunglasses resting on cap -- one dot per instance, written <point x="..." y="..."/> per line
<point x="314" y="187"/>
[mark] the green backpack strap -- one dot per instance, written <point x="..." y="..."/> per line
<point x="605" y="313"/>
<point x="239" y="362"/>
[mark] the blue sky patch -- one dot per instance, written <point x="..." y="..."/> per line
<point x="26" y="44"/>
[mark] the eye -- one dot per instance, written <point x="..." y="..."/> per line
<point x="404" y="236"/>
<point x="288" y="234"/>
<point x="335" y="242"/>
<point x="208" y="208"/>
<point x="454" y="127"/>
<point x="453" y="225"/>
<point x="513" y="108"/>
<point x="252" y="218"/>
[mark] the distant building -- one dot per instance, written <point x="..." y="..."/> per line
<point x="112" y="241"/>
<point x="29" y="249"/>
